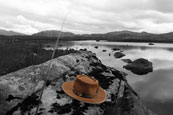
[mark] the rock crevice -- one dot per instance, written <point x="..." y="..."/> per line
<point x="19" y="91"/>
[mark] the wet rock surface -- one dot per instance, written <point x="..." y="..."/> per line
<point x="115" y="49"/>
<point x="140" y="66"/>
<point x="104" y="50"/>
<point x="96" y="47"/>
<point x="127" y="60"/>
<point x="118" y="55"/>
<point x="19" y="91"/>
<point x="150" y="43"/>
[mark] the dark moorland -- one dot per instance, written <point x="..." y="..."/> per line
<point x="15" y="55"/>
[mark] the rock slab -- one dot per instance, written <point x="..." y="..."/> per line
<point x="19" y="91"/>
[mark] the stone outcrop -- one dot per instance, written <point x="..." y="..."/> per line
<point x="150" y="43"/>
<point x="115" y="49"/>
<point x="118" y="55"/>
<point x="140" y="66"/>
<point x="127" y="60"/>
<point x="19" y="91"/>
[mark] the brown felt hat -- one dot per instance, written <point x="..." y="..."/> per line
<point x="85" y="89"/>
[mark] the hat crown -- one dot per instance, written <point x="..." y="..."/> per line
<point x="85" y="86"/>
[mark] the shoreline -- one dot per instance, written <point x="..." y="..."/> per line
<point x="121" y="98"/>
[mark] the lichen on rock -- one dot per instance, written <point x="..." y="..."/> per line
<point x="22" y="88"/>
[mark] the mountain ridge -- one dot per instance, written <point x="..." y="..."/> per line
<point x="53" y="33"/>
<point x="118" y="36"/>
<point x="9" y="33"/>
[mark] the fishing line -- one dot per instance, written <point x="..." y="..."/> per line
<point x="50" y="62"/>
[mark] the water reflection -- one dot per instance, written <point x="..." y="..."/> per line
<point x="156" y="88"/>
<point x="161" y="58"/>
<point x="157" y="91"/>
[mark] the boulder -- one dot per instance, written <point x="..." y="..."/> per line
<point x="118" y="55"/>
<point x="96" y="47"/>
<point x="19" y="91"/>
<point x="83" y="49"/>
<point x="127" y="60"/>
<point x="104" y="50"/>
<point x="150" y="43"/>
<point x="115" y="49"/>
<point x="140" y="66"/>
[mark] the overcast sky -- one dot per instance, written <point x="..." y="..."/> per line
<point x="87" y="16"/>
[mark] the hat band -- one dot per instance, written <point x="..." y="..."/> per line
<point x="83" y="94"/>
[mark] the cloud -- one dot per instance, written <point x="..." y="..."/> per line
<point x="88" y="16"/>
<point x="163" y="5"/>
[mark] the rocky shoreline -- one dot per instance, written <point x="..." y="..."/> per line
<point x="140" y="66"/>
<point x="19" y="90"/>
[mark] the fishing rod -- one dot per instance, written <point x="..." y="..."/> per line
<point x="50" y="63"/>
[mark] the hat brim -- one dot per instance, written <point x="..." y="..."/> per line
<point x="99" y="98"/>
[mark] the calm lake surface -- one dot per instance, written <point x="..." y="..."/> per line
<point x="156" y="88"/>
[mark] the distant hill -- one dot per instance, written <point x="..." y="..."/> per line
<point x="9" y="33"/>
<point x="129" y="36"/>
<point x="126" y="32"/>
<point x="120" y="33"/>
<point x="53" y="33"/>
<point x="118" y="36"/>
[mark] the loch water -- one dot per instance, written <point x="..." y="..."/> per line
<point x="155" y="88"/>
